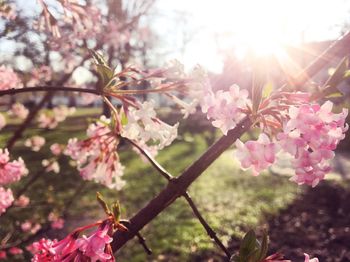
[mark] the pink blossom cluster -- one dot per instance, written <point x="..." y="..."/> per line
<point x="35" y="142"/>
<point x="8" y="78"/>
<point x="22" y="201"/>
<point x="28" y="226"/>
<point x="310" y="135"/>
<point x="56" y="222"/>
<point x="10" y="171"/>
<point x="13" y="251"/>
<point x="56" y="149"/>
<point x="96" y="156"/>
<point x="18" y="110"/>
<point x="225" y="108"/>
<point x="51" y="165"/>
<point x="144" y="127"/>
<point x="95" y="247"/>
<point x="50" y="119"/>
<point x="41" y="75"/>
<point x="6" y="199"/>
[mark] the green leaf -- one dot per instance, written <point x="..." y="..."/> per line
<point x="104" y="71"/>
<point x="124" y="119"/>
<point x="102" y="202"/>
<point x="268" y="88"/>
<point x="248" y="245"/>
<point x="335" y="94"/>
<point x="116" y="211"/>
<point x="264" y="247"/>
<point x="98" y="58"/>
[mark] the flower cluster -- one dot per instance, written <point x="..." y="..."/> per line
<point x="35" y="143"/>
<point x="225" y="108"/>
<point x="95" y="247"/>
<point x="18" y="110"/>
<point x="10" y="171"/>
<point x="258" y="154"/>
<point x="310" y="135"/>
<point x="143" y="126"/>
<point x="6" y="199"/>
<point x="50" y="119"/>
<point x="8" y="78"/>
<point x="96" y="156"/>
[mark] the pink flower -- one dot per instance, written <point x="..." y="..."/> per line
<point x="94" y="246"/>
<point x="50" y="119"/>
<point x="41" y="75"/>
<point x="51" y="165"/>
<point x="96" y="156"/>
<point x="258" y="154"/>
<point x="35" y="142"/>
<point x="6" y="199"/>
<point x="42" y="250"/>
<point x="56" y="149"/>
<point x="19" y="110"/>
<point x="8" y="78"/>
<point x="56" y="222"/>
<point x="3" y="255"/>
<point x="310" y="136"/>
<point x="144" y="127"/>
<point x="307" y="258"/>
<point x="10" y="171"/>
<point x="26" y="226"/>
<point x="35" y="228"/>
<point x="225" y="107"/>
<point x="15" y="251"/>
<point x="22" y="201"/>
<point x="47" y="120"/>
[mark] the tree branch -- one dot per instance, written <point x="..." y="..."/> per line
<point x="14" y="91"/>
<point x="178" y="186"/>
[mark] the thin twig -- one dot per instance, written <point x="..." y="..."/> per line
<point x="204" y="223"/>
<point x="153" y="162"/>
<point x="143" y="243"/>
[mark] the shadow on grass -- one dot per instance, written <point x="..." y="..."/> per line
<point x="317" y="223"/>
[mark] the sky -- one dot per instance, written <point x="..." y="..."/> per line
<point x="263" y="25"/>
<point x="204" y="31"/>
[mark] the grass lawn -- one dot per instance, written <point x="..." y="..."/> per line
<point x="232" y="201"/>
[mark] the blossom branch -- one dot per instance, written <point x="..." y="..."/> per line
<point x="173" y="190"/>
